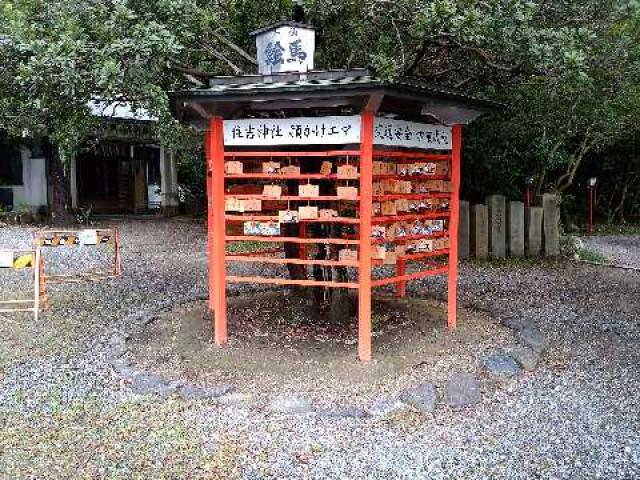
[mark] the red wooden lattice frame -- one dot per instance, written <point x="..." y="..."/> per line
<point x="217" y="220"/>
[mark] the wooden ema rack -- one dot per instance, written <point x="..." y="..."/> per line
<point x="359" y="217"/>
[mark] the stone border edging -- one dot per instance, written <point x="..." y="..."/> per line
<point x="461" y="389"/>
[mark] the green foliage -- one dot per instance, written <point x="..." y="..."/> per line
<point x="591" y="256"/>
<point x="568" y="69"/>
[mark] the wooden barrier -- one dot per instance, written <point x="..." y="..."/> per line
<point x="18" y="259"/>
<point x="88" y="237"/>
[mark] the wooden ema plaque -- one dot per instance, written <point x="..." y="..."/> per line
<point x="288" y="216"/>
<point x="348" y="255"/>
<point x="347" y="193"/>
<point x="309" y="190"/>
<point x="390" y="257"/>
<point x="271" y="167"/>
<point x="402" y="205"/>
<point x="272" y="191"/>
<point x="328" y="213"/>
<point x="326" y="168"/>
<point x="378" y="231"/>
<point x="233" y="168"/>
<point x="251" y="205"/>
<point x="347" y="171"/>
<point x="379" y="252"/>
<point x="290" y="170"/>
<point x="307" y="213"/>
<point x="389" y="208"/>
<point x="405" y="186"/>
<point x="233" y="205"/>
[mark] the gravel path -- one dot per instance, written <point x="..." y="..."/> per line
<point x="65" y="413"/>
<point x="621" y="250"/>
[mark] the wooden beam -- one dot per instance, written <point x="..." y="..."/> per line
<point x="373" y="102"/>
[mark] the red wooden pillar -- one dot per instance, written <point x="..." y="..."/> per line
<point x="401" y="286"/>
<point x="366" y="212"/>
<point x="453" y="225"/>
<point x="216" y="229"/>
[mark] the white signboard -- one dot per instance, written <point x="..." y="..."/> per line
<point x="292" y="131"/>
<point x="399" y="133"/>
<point x="285" y="49"/>
<point x="6" y="259"/>
<point x="88" y="237"/>
<point x="334" y="131"/>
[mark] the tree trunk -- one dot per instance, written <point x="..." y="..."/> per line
<point x="60" y="202"/>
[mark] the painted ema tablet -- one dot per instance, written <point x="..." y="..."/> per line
<point x="88" y="237"/>
<point x="6" y="259"/>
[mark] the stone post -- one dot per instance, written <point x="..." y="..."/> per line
<point x="515" y="228"/>
<point x="496" y="205"/>
<point x="551" y="219"/>
<point x="479" y="231"/>
<point x="463" y="231"/>
<point x="534" y="231"/>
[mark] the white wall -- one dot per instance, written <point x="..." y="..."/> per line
<point x="33" y="191"/>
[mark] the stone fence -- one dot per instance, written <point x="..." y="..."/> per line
<point x="500" y="228"/>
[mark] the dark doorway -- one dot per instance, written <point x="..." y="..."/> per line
<point x="114" y="177"/>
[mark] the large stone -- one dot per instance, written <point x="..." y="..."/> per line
<point x="551" y="220"/>
<point x="190" y="391"/>
<point x="423" y="397"/>
<point x="347" y="412"/>
<point x="502" y="365"/>
<point x="516" y="322"/>
<point x="533" y="238"/>
<point x="462" y="390"/>
<point x="526" y="357"/>
<point x="291" y="404"/>
<point x="496" y="205"/>
<point x="385" y="405"/>
<point x="479" y="231"/>
<point x="464" y="246"/>
<point x="150" y="384"/>
<point x="534" y="339"/>
<point x="515" y="228"/>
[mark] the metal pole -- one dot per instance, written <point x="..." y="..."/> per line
<point x="366" y="212"/>
<point x="590" y="209"/>
<point x="453" y="226"/>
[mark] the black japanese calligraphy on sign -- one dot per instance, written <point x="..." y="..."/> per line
<point x="301" y="131"/>
<point x="410" y="134"/>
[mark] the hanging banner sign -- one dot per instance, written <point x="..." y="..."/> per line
<point x="292" y="131"/>
<point x="334" y="131"/>
<point x="400" y="133"/>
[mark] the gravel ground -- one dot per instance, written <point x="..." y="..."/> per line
<point x="621" y="250"/>
<point x="65" y="413"/>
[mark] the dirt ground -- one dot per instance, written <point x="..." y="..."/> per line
<point x="273" y="343"/>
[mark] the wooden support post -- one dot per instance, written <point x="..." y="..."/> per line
<point x="401" y="286"/>
<point x="453" y="225"/>
<point x="366" y="212"/>
<point x="216" y="229"/>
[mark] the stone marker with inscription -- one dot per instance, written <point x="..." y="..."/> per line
<point x="534" y="231"/>
<point x="479" y="231"/>
<point x="463" y="231"/>
<point x="496" y="205"/>
<point x="551" y="219"/>
<point x="515" y="221"/>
